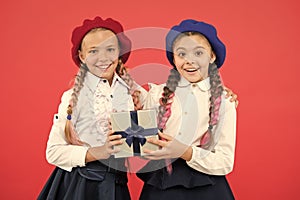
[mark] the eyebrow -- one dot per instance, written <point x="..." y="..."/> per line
<point x="182" y="48"/>
<point x="110" y="45"/>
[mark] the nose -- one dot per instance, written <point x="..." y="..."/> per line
<point x="189" y="59"/>
<point x="102" y="56"/>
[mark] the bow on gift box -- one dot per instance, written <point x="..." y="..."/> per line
<point x="135" y="134"/>
<point x="134" y="137"/>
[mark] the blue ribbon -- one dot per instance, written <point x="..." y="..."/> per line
<point x="135" y="134"/>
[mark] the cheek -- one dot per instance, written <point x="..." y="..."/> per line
<point x="204" y="61"/>
<point x="179" y="62"/>
<point x="113" y="56"/>
<point x="114" y="66"/>
<point x="90" y="60"/>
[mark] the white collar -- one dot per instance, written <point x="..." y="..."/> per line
<point x="92" y="80"/>
<point x="204" y="85"/>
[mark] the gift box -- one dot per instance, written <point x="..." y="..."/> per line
<point x="135" y="127"/>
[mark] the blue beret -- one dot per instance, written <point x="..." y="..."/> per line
<point x="205" y="29"/>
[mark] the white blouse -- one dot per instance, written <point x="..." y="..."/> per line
<point x="189" y="121"/>
<point x="67" y="156"/>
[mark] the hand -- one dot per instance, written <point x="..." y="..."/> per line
<point x="229" y="93"/>
<point x="137" y="100"/>
<point x="105" y="151"/>
<point x="171" y="148"/>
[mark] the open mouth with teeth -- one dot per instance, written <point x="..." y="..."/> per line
<point x="190" y="70"/>
<point x="103" y="66"/>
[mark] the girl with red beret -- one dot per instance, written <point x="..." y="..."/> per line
<point x="80" y="143"/>
<point x="197" y="122"/>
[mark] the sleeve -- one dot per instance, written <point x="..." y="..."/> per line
<point x="152" y="99"/>
<point x="58" y="151"/>
<point x="144" y="94"/>
<point x="220" y="160"/>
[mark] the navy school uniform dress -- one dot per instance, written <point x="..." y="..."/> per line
<point x="97" y="180"/>
<point x="184" y="183"/>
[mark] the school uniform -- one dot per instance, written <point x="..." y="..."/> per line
<point x="73" y="178"/>
<point x="203" y="177"/>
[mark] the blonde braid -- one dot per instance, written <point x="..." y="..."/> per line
<point x="135" y="94"/>
<point x="70" y="133"/>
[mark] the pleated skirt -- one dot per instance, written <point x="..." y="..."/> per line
<point x="95" y="181"/>
<point x="184" y="183"/>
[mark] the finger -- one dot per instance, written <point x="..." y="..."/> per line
<point x="236" y="103"/>
<point x="147" y="151"/>
<point x="165" y="136"/>
<point x="114" y="137"/>
<point x="115" y="142"/>
<point x="157" y="142"/>
<point x="233" y="98"/>
<point x="228" y="93"/>
<point x="156" y="153"/>
<point x="110" y="132"/>
<point x="152" y="157"/>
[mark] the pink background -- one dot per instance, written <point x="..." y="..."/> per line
<point x="262" y="39"/>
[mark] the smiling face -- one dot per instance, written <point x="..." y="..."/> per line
<point x="192" y="55"/>
<point x="100" y="52"/>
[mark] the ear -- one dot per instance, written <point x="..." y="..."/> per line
<point x="81" y="56"/>
<point x="213" y="57"/>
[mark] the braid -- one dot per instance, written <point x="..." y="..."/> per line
<point x="135" y="94"/>
<point x="165" y="106"/>
<point x="166" y="99"/>
<point x="216" y="91"/>
<point x="78" y="84"/>
<point x="70" y="133"/>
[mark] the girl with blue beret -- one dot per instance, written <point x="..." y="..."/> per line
<point x="197" y="122"/>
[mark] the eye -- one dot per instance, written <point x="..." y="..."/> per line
<point x="181" y="54"/>
<point x="111" y="49"/>
<point x="198" y="53"/>
<point x="93" y="51"/>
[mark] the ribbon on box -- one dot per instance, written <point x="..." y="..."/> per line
<point x="135" y="134"/>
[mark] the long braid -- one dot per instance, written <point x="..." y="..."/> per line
<point x="135" y="94"/>
<point x="165" y="106"/>
<point x="70" y="133"/>
<point x="166" y="99"/>
<point x="216" y="91"/>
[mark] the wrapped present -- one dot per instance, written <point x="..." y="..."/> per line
<point x="135" y="127"/>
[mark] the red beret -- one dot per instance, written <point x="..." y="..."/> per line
<point x="110" y="24"/>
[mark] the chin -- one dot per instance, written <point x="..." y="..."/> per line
<point x="107" y="76"/>
<point x="194" y="80"/>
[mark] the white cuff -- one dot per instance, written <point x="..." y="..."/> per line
<point x="78" y="156"/>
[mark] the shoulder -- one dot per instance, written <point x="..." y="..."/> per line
<point x="226" y="103"/>
<point x="67" y="94"/>
<point x="156" y="90"/>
